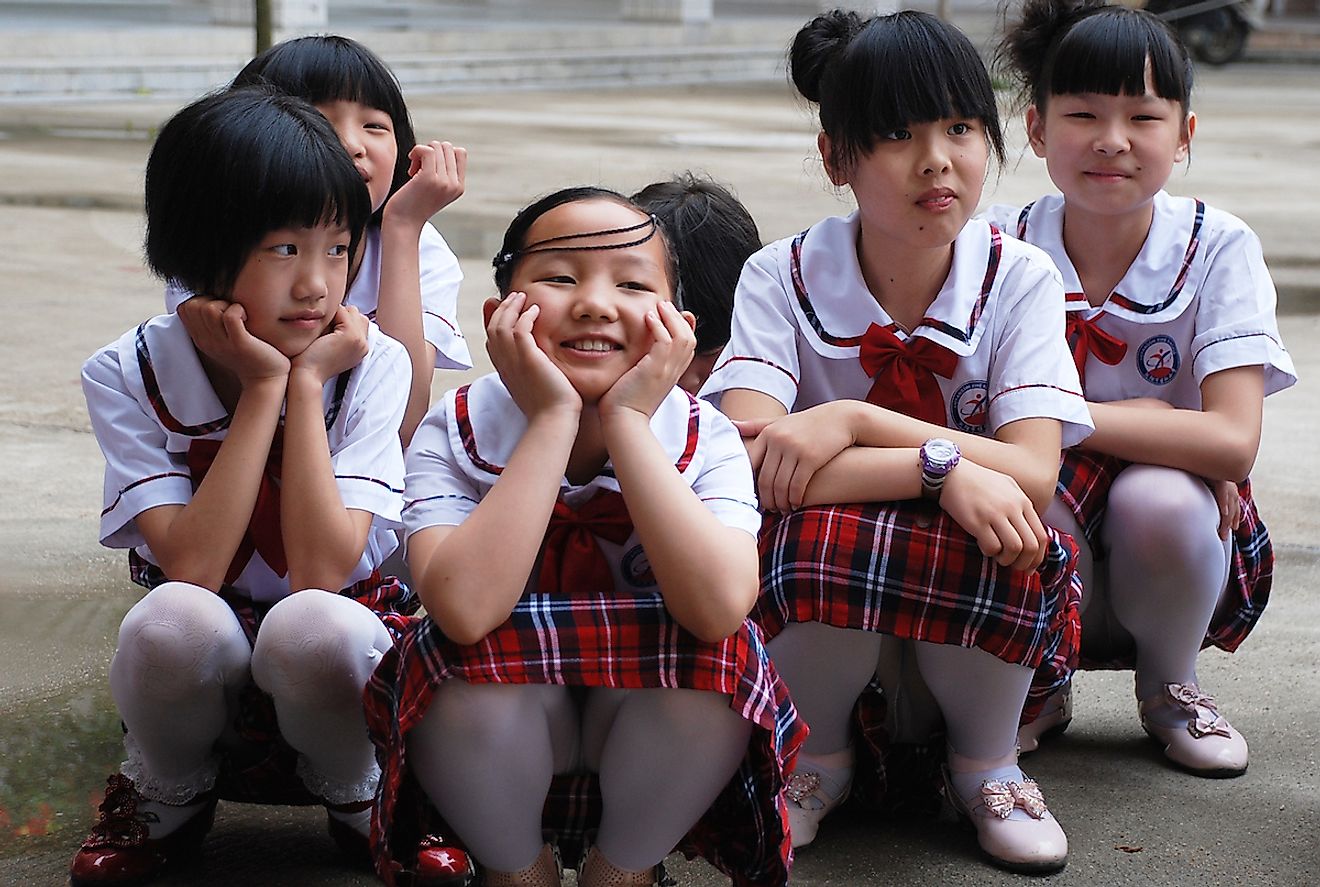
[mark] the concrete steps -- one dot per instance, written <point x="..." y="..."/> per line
<point x="182" y="62"/>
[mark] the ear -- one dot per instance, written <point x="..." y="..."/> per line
<point x="1185" y="138"/>
<point x="826" y="148"/>
<point x="1036" y="130"/>
<point x="488" y="308"/>
<point x="690" y="318"/>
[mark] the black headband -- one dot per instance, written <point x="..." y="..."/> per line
<point x="541" y="246"/>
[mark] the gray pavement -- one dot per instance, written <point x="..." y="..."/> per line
<point x="74" y="280"/>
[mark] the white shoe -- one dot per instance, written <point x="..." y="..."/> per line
<point x="1015" y="829"/>
<point x="811" y="795"/>
<point x="1053" y="719"/>
<point x="1205" y="744"/>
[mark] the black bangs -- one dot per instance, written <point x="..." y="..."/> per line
<point x="904" y="69"/>
<point x="328" y="68"/>
<point x="1107" y="53"/>
<point x="234" y="166"/>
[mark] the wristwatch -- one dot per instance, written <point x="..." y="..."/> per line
<point x="937" y="458"/>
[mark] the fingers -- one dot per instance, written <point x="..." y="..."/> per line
<point x="750" y="428"/>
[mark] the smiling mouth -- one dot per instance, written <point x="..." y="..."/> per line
<point x="592" y="346"/>
<point x="940" y="198"/>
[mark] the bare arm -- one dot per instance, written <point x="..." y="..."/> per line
<point x="1218" y="442"/>
<point x="438" y="172"/>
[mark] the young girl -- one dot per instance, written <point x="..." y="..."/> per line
<point x="712" y="234"/>
<point x="918" y="357"/>
<point x="1171" y="323"/>
<point x="583" y="535"/>
<point x="404" y="277"/>
<point x="252" y="451"/>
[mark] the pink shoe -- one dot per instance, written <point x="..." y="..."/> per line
<point x="1054" y="718"/>
<point x="1030" y="844"/>
<point x="1205" y="744"/>
<point x="811" y="796"/>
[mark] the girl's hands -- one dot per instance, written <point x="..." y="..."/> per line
<point x="643" y="387"/>
<point x="1230" y="506"/>
<point x="341" y="347"/>
<point x="534" y="382"/>
<point x="437" y="176"/>
<point x="219" y="330"/>
<point x="992" y="507"/>
<point x="786" y="452"/>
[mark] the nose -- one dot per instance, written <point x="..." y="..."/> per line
<point x="1111" y="139"/>
<point x="593" y="300"/>
<point x="936" y="156"/>
<point x="352" y="143"/>
<point x="313" y="282"/>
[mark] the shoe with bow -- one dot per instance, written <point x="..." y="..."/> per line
<point x="1014" y="827"/>
<point x="1193" y="733"/>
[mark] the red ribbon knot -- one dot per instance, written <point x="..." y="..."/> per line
<point x="571" y="557"/>
<point x="263" y="534"/>
<point x="905" y="373"/>
<point x="1085" y="337"/>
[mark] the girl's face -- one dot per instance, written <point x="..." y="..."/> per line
<point x="368" y="136"/>
<point x="291" y="285"/>
<point x="1110" y="154"/>
<point x="593" y="302"/>
<point x="918" y="186"/>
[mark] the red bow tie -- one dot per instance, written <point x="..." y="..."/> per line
<point x="904" y="373"/>
<point x="1085" y="337"/>
<point x="263" y="533"/>
<point x="571" y="558"/>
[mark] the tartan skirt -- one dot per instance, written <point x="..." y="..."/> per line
<point x="1084" y="481"/>
<point x="593" y="640"/>
<point x="906" y="569"/>
<point x="261" y="768"/>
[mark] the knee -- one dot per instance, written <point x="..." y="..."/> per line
<point x="317" y="648"/>
<point x="177" y="639"/>
<point x="1161" y="517"/>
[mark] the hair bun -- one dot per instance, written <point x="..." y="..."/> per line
<point x="819" y="43"/>
<point x="1039" y="26"/>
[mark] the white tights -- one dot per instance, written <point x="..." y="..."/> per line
<point x="1167" y="571"/>
<point x="826" y="669"/>
<point x="183" y="658"/>
<point x="485" y="755"/>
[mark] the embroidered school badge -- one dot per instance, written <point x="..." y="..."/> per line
<point x="636" y="569"/>
<point x="970" y="408"/>
<point x="1158" y="360"/>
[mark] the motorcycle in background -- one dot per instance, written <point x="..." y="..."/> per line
<point x="1215" y="31"/>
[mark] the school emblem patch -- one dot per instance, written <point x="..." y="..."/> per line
<point x="971" y="406"/>
<point x="1158" y="360"/>
<point x="636" y="569"/>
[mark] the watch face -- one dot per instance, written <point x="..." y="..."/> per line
<point x="940" y="452"/>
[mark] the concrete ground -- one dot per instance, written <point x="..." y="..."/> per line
<point x="69" y="207"/>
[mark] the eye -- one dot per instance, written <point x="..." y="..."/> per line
<point x="960" y="129"/>
<point x="378" y="126"/>
<point x="897" y="135"/>
<point x="637" y="285"/>
<point x="557" y="278"/>
<point x="284" y="249"/>
<point x="1145" y="118"/>
<point x="339" y="250"/>
<point x="1080" y="115"/>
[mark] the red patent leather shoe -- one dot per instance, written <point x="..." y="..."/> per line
<point x="120" y="851"/>
<point x="442" y="865"/>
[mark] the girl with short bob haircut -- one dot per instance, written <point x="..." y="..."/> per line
<point x="583" y="534"/>
<point x="254" y="470"/>
<point x="901" y="373"/>
<point x="405" y="277"/>
<point x="1171" y="324"/>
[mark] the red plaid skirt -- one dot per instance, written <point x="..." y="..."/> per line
<point x="1084" y="482"/>
<point x="262" y="768"/>
<point x="594" y="640"/>
<point x="906" y="569"/>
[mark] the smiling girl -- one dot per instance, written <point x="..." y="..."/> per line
<point x="583" y="535"/>
<point x="1171" y="324"/>
<point x="901" y="375"/>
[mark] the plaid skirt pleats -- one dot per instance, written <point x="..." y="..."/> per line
<point x="906" y="569"/>
<point x="1084" y="482"/>
<point x="261" y="768"/>
<point x="594" y="640"/>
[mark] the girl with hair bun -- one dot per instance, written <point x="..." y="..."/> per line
<point x="902" y="382"/>
<point x="1171" y="323"/>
